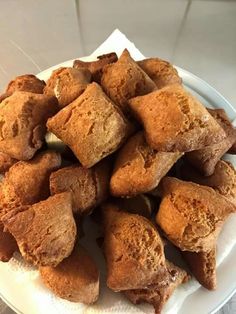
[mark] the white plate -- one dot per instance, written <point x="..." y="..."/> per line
<point x="18" y="295"/>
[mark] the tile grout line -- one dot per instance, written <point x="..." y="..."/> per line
<point x="180" y="31"/>
<point x="25" y="54"/>
<point x="77" y="7"/>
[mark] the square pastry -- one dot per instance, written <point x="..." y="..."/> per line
<point x="67" y="84"/>
<point x="23" y="118"/>
<point x="174" y="120"/>
<point x="139" y="168"/>
<point x="160" y="71"/>
<point x="92" y="126"/>
<point x="124" y="79"/>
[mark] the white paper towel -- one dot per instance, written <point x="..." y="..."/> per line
<point x="20" y="284"/>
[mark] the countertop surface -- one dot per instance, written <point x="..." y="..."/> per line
<point x="197" y="35"/>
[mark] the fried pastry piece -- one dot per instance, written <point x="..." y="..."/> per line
<point x="23" y="119"/>
<point x="8" y="245"/>
<point x="160" y="71"/>
<point x="67" y="84"/>
<point x="125" y="79"/>
<point x="6" y="162"/>
<point x="223" y="180"/>
<point x="46" y="231"/>
<point x="91" y="126"/>
<point x="75" y="279"/>
<point x="203" y="267"/>
<point x="192" y="215"/>
<point x="26" y="83"/>
<point x="139" y="168"/>
<point x="133" y="250"/>
<point x="89" y="187"/>
<point x="158" y="293"/>
<point x="27" y="182"/>
<point x="175" y="121"/>
<point x="140" y="205"/>
<point x="206" y="159"/>
<point x="96" y="67"/>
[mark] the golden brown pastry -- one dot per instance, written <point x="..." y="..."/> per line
<point x="6" y="162"/>
<point x="176" y="121"/>
<point x="223" y="180"/>
<point x="67" y="84"/>
<point x="206" y="159"/>
<point x="26" y="83"/>
<point x="91" y="126"/>
<point x="125" y="79"/>
<point x="140" y="205"/>
<point x="23" y="119"/>
<point x="160" y="71"/>
<point x="158" y="293"/>
<point x="27" y="182"/>
<point x="192" y="215"/>
<point x="8" y="245"/>
<point x="75" y="279"/>
<point x="89" y="187"/>
<point x="203" y="267"/>
<point x="46" y="231"/>
<point x="96" y="67"/>
<point x="139" y="168"/>
<point x="133" y="250"/>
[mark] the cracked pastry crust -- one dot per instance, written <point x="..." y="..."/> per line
<point x="26" y="83"/>
<point x="139" y="168"/>
<point x="223" y="180"/>
<point x="96" y="67"/>
<point x="66" y="84"/>
<point x="158" y="293"/>
<point x="27" y="182"/>
<point x="46" y="231"/>
<point x="206" y="159"/>
<point x="23" y="119"/>
<point x="75" y="279"/>
<point x="192" y="215"/>
<point x="89" y="187"/>
<point x="175" y="121"/>
<point x="160" y="71"/>
<point x="133" y="250"/>
<point x="125" y="79"/>
<point x="92" y="126"/>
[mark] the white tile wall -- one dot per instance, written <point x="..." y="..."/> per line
<point x="207" y="45"/>
<point x="152" y="25"/>
<point x="35" y="35"/>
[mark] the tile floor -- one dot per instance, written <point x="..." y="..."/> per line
<point x="198" y="35"/>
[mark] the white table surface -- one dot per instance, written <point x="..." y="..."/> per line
<point x="198" y="35"/>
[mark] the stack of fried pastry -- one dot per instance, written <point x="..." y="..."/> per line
<point x="124" y="125"/>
